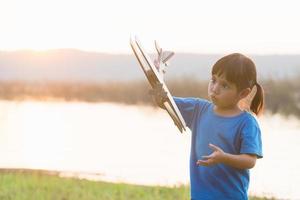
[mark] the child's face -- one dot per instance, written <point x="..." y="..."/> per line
<point x="223" y="93"/>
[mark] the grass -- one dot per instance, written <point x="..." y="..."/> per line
<point x="36" y="185"/>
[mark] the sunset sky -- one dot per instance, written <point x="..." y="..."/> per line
<point x="211" y="26"/>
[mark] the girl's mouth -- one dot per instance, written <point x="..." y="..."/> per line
<point x="213" y="98"/>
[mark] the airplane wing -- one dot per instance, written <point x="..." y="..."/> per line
<point x="154" y="78"/>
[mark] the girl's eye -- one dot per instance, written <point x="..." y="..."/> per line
<point x="225" y="86"/>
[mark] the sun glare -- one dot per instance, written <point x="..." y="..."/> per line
<point x="193" y="26"/>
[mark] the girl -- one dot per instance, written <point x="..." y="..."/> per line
<point x="226" y="138"/>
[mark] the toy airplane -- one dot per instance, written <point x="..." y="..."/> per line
<point x="162" y="58"/>
<point x="154" y="72"/>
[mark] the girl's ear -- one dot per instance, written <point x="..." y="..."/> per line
<point x="244" y="93"/>
<point x="246" y="96"/>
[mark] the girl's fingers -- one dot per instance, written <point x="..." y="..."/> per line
<point x="214" y="147"/>
<point x="203" y="162"/>
<point x="207" y="157"/>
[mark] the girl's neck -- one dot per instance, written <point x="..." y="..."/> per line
<point x="227" y="112"/>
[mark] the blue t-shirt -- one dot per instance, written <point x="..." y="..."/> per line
<point x="239" y="134"/>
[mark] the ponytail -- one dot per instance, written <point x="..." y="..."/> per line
<point x="257" y="104"/>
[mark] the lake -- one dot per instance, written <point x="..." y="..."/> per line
<point x="133" y="144"/>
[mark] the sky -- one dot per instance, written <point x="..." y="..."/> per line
<point x="211" y="26"/>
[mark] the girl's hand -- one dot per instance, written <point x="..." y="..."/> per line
<point x="216" y="157"/>
<point x="159" y="94"/>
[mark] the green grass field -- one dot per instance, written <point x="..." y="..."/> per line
<point x="40" y="186"/>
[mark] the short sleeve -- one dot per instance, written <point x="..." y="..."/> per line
<point x="188" y="107"/>
<point x="251" y="142"/>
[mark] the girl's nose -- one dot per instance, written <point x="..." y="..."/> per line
<point x="215" y="88"/>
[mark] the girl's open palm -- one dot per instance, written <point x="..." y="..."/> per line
<point x="214" y="158"/>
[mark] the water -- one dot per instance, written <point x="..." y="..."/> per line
<point x="134" y="144"/>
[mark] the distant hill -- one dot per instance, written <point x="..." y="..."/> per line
<point x="75" y="65"/>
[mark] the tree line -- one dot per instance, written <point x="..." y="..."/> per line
<point x="281" y="96"/>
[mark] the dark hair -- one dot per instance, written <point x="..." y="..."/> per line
<point x="241" y="71"/>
